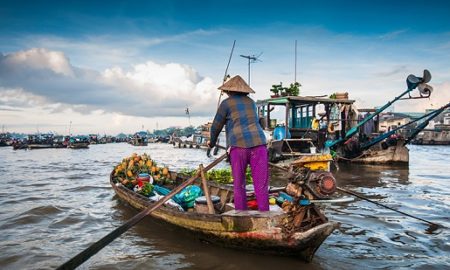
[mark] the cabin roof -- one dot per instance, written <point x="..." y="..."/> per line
<point x="306" y="100"/>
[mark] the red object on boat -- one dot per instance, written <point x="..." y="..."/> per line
<point x="252" y="205"/>
<point x="143" y="178"/>
<point x="327" y="184"/>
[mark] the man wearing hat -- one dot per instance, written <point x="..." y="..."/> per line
<point x="246" y="140"/>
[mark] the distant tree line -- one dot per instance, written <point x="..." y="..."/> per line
<point x="187" y="131"/>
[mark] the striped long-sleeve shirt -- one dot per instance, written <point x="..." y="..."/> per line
<point x="239" y="115"/>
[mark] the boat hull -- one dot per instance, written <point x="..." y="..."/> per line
<point x="78" y="146"/>
<point x="139" y="144"/>
<point x="250" y="230"/>
<point x="430" y="142"/>
<point x="39" y="146"/>
<point x="396" y="154"/>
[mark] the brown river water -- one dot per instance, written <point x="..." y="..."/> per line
<point x="56" y="202"/>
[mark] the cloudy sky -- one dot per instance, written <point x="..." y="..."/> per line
<point x="118" y="66"/>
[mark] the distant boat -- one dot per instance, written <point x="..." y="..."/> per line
<point x="139" y="139"/>
<point x="78" y="142"/>
<point x="440" y="135"/>
<point x="60" y="141"/>
<point x="40" y="141"/>
<point x="20" y="144"/>
<point x="198" y="139"/>
<point x="5" y="139"/>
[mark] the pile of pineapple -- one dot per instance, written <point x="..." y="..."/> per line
<point x="128" y="170"/>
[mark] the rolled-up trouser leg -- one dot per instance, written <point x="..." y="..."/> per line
<point x="239" y="158"/>
<point x="260" y="175"/>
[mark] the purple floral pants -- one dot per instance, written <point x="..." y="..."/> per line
<point x="257" y="158"/>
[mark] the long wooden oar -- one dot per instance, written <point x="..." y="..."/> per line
<point x="97" y="246"/>
<point x="433" y="227"/>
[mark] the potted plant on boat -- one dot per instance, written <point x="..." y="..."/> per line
<point x="276" y="88"/>
<point x="279" y="90"/>
<point x="285" y="92"/>
<point x="294" y="89"/>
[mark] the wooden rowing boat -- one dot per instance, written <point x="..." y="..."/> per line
<point x="263" y="232"/>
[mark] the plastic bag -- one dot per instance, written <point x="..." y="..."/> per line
<point x="170" y="202"/>
<point x="187" y="196"/>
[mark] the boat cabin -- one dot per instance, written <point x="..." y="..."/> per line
<point x="300" y="124"/>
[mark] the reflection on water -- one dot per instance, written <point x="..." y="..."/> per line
<point x="55" y="202"/>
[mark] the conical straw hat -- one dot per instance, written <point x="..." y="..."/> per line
<point x="236" y="84"/>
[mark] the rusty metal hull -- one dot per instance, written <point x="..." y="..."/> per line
<point x="250" y="230"/>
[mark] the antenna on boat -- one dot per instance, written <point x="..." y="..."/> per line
<point x="251" y="59"/>
<point x="226" y="76"/>
<point x="229" y="61"/>
<point x="295" y="64"/>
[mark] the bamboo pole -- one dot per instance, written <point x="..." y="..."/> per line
<point x="206" y="191"/>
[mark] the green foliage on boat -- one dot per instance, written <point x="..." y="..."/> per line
<point x="222" y="176"/>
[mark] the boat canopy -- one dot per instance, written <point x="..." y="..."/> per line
<point x="300" y="100"/>
<point x="300" y="110"/>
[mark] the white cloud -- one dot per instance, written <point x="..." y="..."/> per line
<point x="18" y="98"/>
<point x="39" y="59"/>
<point x="148" y="89"/>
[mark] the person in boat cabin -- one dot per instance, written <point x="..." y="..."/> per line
<point x="246" y="139"/>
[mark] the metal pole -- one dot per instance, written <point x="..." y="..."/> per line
<point x="295" y="73"/>
<point x="249" y="71"/>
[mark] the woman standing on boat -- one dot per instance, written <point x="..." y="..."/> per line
<point x="246" y="138"/>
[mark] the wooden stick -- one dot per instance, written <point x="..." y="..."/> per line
<point x="97" y="246"/>
<point x="206" y="191"/>
<point x="390" y="208"/>
<point x="278" y="167"/>
<point x="225" y="201"/>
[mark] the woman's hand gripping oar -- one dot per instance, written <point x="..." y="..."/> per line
<point x="97" y="246"/>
